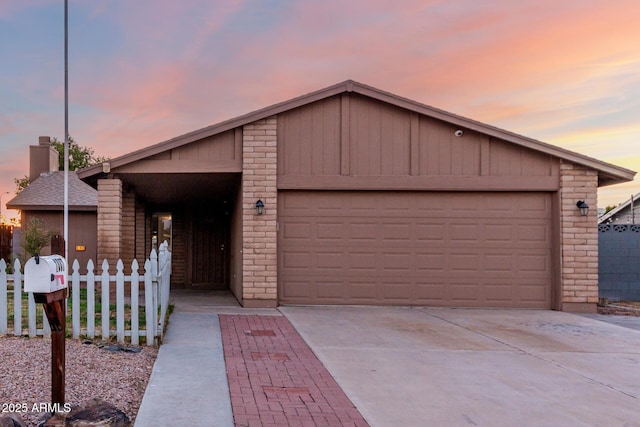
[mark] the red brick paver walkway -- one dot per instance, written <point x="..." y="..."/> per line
<point x="276" y="380"/>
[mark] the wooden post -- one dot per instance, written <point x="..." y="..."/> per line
<point x="53" y="304"/>
<point x="57" y="245"/>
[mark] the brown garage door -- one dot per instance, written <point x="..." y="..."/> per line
<point x="415" y="248"/>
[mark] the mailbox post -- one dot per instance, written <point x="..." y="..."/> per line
<point x="46" y="277"/>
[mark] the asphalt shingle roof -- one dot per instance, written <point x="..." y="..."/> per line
<point x="47" y="193"/>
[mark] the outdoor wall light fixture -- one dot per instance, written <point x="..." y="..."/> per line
<point x="259" y="207"/>
<point x="584" y="208"/>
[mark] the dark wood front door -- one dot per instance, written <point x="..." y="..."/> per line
<point x="210" y="250"/>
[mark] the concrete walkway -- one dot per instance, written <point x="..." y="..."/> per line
<point x="188" y="384"/>
<point x="416" y="366"/>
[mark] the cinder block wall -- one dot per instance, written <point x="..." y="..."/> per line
<point x="259" y="242"/>
<point x="579" y="239"/>
<point x="109" y="222"/>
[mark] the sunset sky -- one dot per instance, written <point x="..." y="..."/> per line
<point x="140" y="72"/>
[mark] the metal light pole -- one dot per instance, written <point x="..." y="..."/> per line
<point x="66" y="134"/>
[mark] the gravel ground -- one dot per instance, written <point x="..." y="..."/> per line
<point x="120" y="378"/>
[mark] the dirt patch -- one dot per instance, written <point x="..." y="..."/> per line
<point x="620" y="308"/>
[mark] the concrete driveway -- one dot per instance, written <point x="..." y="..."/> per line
<point x="468" y="367"/>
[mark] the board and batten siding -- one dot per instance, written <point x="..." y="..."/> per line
<point x="352" y="142"/>
<point x="217" y="153"/>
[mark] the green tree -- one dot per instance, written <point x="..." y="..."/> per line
<point x="21" y="183"/>
<point x="609" y="208"/>
<point x="79" y="157"/>
<point x="35" y="237"/>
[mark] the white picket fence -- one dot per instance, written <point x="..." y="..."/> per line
<point x="155" y="281"/>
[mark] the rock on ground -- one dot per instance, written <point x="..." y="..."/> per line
<point x="93" y="413"/>
<point x="11" y="421"/>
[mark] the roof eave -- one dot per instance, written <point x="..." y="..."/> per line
<point x="75" y="208"/>
<point x="614" y="174"/>
<point x="611" y="174"/>
<point x="219" y="128"/>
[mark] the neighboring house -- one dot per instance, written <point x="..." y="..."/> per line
<point x="43" y="198"/>
<point x="626" y="213"/>
<point x="369" y="198"/>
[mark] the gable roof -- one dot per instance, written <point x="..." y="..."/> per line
<point x="47" y="193"/>
<point x="608" y="174"/>
<point x="623" y="210"/>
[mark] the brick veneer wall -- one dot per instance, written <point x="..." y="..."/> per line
<point x="128" y="241"/>
<point x="259" y="234"/>
<point x="179" y="249"/>
<point x="579" y="238"/>
<point x="141" y="250"/>
<point x="109" y="221"/>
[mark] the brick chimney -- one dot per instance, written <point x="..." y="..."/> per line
<point x="43" y="158"/>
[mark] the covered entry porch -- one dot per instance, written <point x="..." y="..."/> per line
<point x="189" y="196"/>
<point x="193" y="213"/>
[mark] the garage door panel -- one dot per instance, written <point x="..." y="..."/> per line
<point x="296" y="287"/>
<point x="329" y="262"/>
<point x="464" y="232"/>
<point x="498" y="294"/>
<point x="498" y="206"/>
<point x="364" y="231"/>
<point x="396" y="231"/>
<point x="533" y="263"/>
<point x="533" y="294"/>
<point x="430" y="262"/>
<point x="397" y="291"/>
<point x="464" y="294"/>
<point x="499" y="264"/>
<point x="297" y="230"/>
<point x="499" y="233"/>
<point x="396" y="263"/>
<point x="362" y="290"/>
<point x="533" y="233"/>
<point x="428" y="232"/>
<point x="363" y="262"/>
<point x="296" y="260"/>
<point x="331" y="231"/>
<point x="463" y="263"/>
<point x="431" y="292"/>
<point x="330" y="290"/>
<point x="443" y="249"/>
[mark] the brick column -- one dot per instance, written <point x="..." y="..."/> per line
<point x="128" y="241"/>
<point x="259" y="234"/>
<point x="141" y="250"/>
<point x="109" y="222"/>
<point x="579" y="239"/>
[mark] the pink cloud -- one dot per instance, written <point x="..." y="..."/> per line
<point x="7" y="125"/>
<point x="531" y="67"/>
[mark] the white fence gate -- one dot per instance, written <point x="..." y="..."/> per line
<point x="155" y="283"/>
